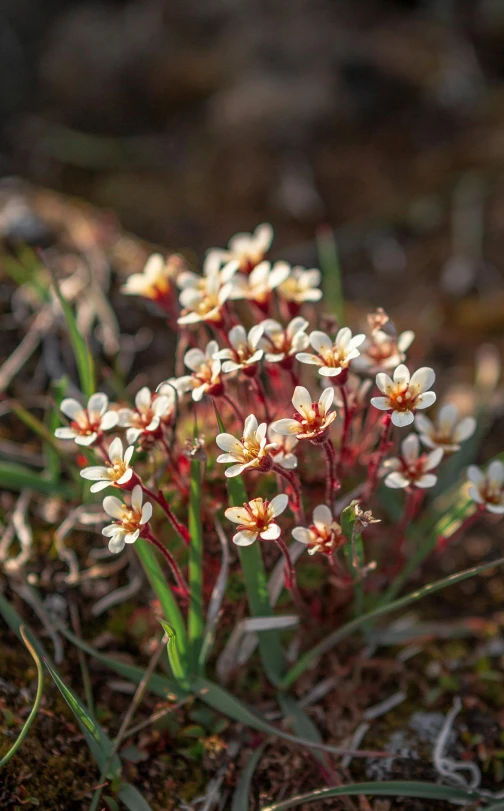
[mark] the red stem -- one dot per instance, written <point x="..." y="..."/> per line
<point x="175" y="469"/>
<point x="332" y="482"/>
<point x="177" y="574"/>
<point x="377" y="457"/>
<point x="180" y="528"/>
<point x="295" y="484"/>
<point x="289" y="573"/>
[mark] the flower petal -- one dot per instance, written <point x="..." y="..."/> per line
<point x="113" y="507"/>
<point x="301" y="534"/>
<point x="278" y="504"/>
<point x="425" y="481"/>
<point x="272" y="533"/>
<point x="464" y="429"/>
<point x="396" y="480"/>
<point x="425" y="400"/>
<point x="302" y="402"/>
<point x="234" y="470"/>
<point x="116" y="543"/>
<point x="229" y="443"/>
<point x="95" y="473"/>
<point x="433" y="459"/>
<point x="306" y="357"/>
<point x="245" y="537"/>
<point x="322" y="517"/>
<point x="423" y="378"/>
<point x="320" y="341"/>
<point x="382" y="403"/>
<point x="401" y="374"/>
<point x="136" y="497"/>
<point x="109" y="420"/>
<point x="402" y="418"/>
<point x="65" y="433"/>
<point x="146" y="513"/>
<point x="410" y="448"/>
<point x="72" y="409"/>
<point x="115" y="450"/>
<point x="238" y="515"/>
<point x="326" y="400"/>
<point x="495" y="473"/>
<point x="287" y="427"/>
<point x="97" y="405"/>
<point x="384" y="382"/>
<point x="475" y="475"/>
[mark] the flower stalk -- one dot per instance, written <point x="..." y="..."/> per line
<point x="177" y="574"/>
<point x="179" y="528"/>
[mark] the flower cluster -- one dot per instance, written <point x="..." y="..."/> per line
<point x="251" y="338"/>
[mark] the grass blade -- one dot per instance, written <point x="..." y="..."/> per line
<point x="302" y="725"/>
<point x="159" y="685"/>
<point x="354" y="553"/>
<point x="242" y="791"/>
<point x="341" y="633"/>
<point x="168" y="603"/>
<point x="256" y="585"/>
<point x="224" y="702"/>
<point x="132" y="798"/>
<point x="195" y="621"/>
<point x="19" y="477"/>
<point x="96" y="739"/>
<point x="173" y="653"/>
<point x="331" y="273"/>
<point x="82" y="354"/>
<point x="34" y="710"/>
<point x="393" y="788"/>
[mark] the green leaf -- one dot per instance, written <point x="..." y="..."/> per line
<point x="159" y="685"/>
<point x="173" y="653"/>
<point x="242" y="791"/>
<point x="196" y="623"/>
<point x="341" y="633"/>
<point x="168" y="603"/>
<point x="224" y="702"/>
<point x="99" y="744"/>
<point x="270" y="647"/>
<point x="24" y="633"/>
<point x="354" y="553"/>
<point x="334" y="301"/>
<point x="83" y="356"/>
<point x="302" y="725"/>
<point x="393" y="788"/>
<point x="19" y="477"/>
<point x="132" y="798"/>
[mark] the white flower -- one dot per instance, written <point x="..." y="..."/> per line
<point x="281" y="345"/>
<point x="487" y="487"/>
<point x="382" y="352"/>
<point x="405" y="393"/>
<point x="155" y="281"/>
<point x="247" y="249"/>
<point x="324" y="535"/>
<point x="129" y="520"/>
<point x="301" y="285"/>
<point x="332" y="357"/>
<point x="314" y="418"/>
<point x="282" y="449"/>
<point x="261" y="282"/>
<point x="87" y="423"/>
<point x="243" y="351"/>
<point x="447" y="431"/>
<point x="118" y="472"/>
<point x="206" y="372"/>
<point x="147" y="414"/>
<point x="203" y="297"/>
<point x="411" y="469"/>
<point x="256" y="519"/>
<point x="252" y="452"/>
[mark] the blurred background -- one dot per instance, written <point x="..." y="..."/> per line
<point x="192" y="120"/>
